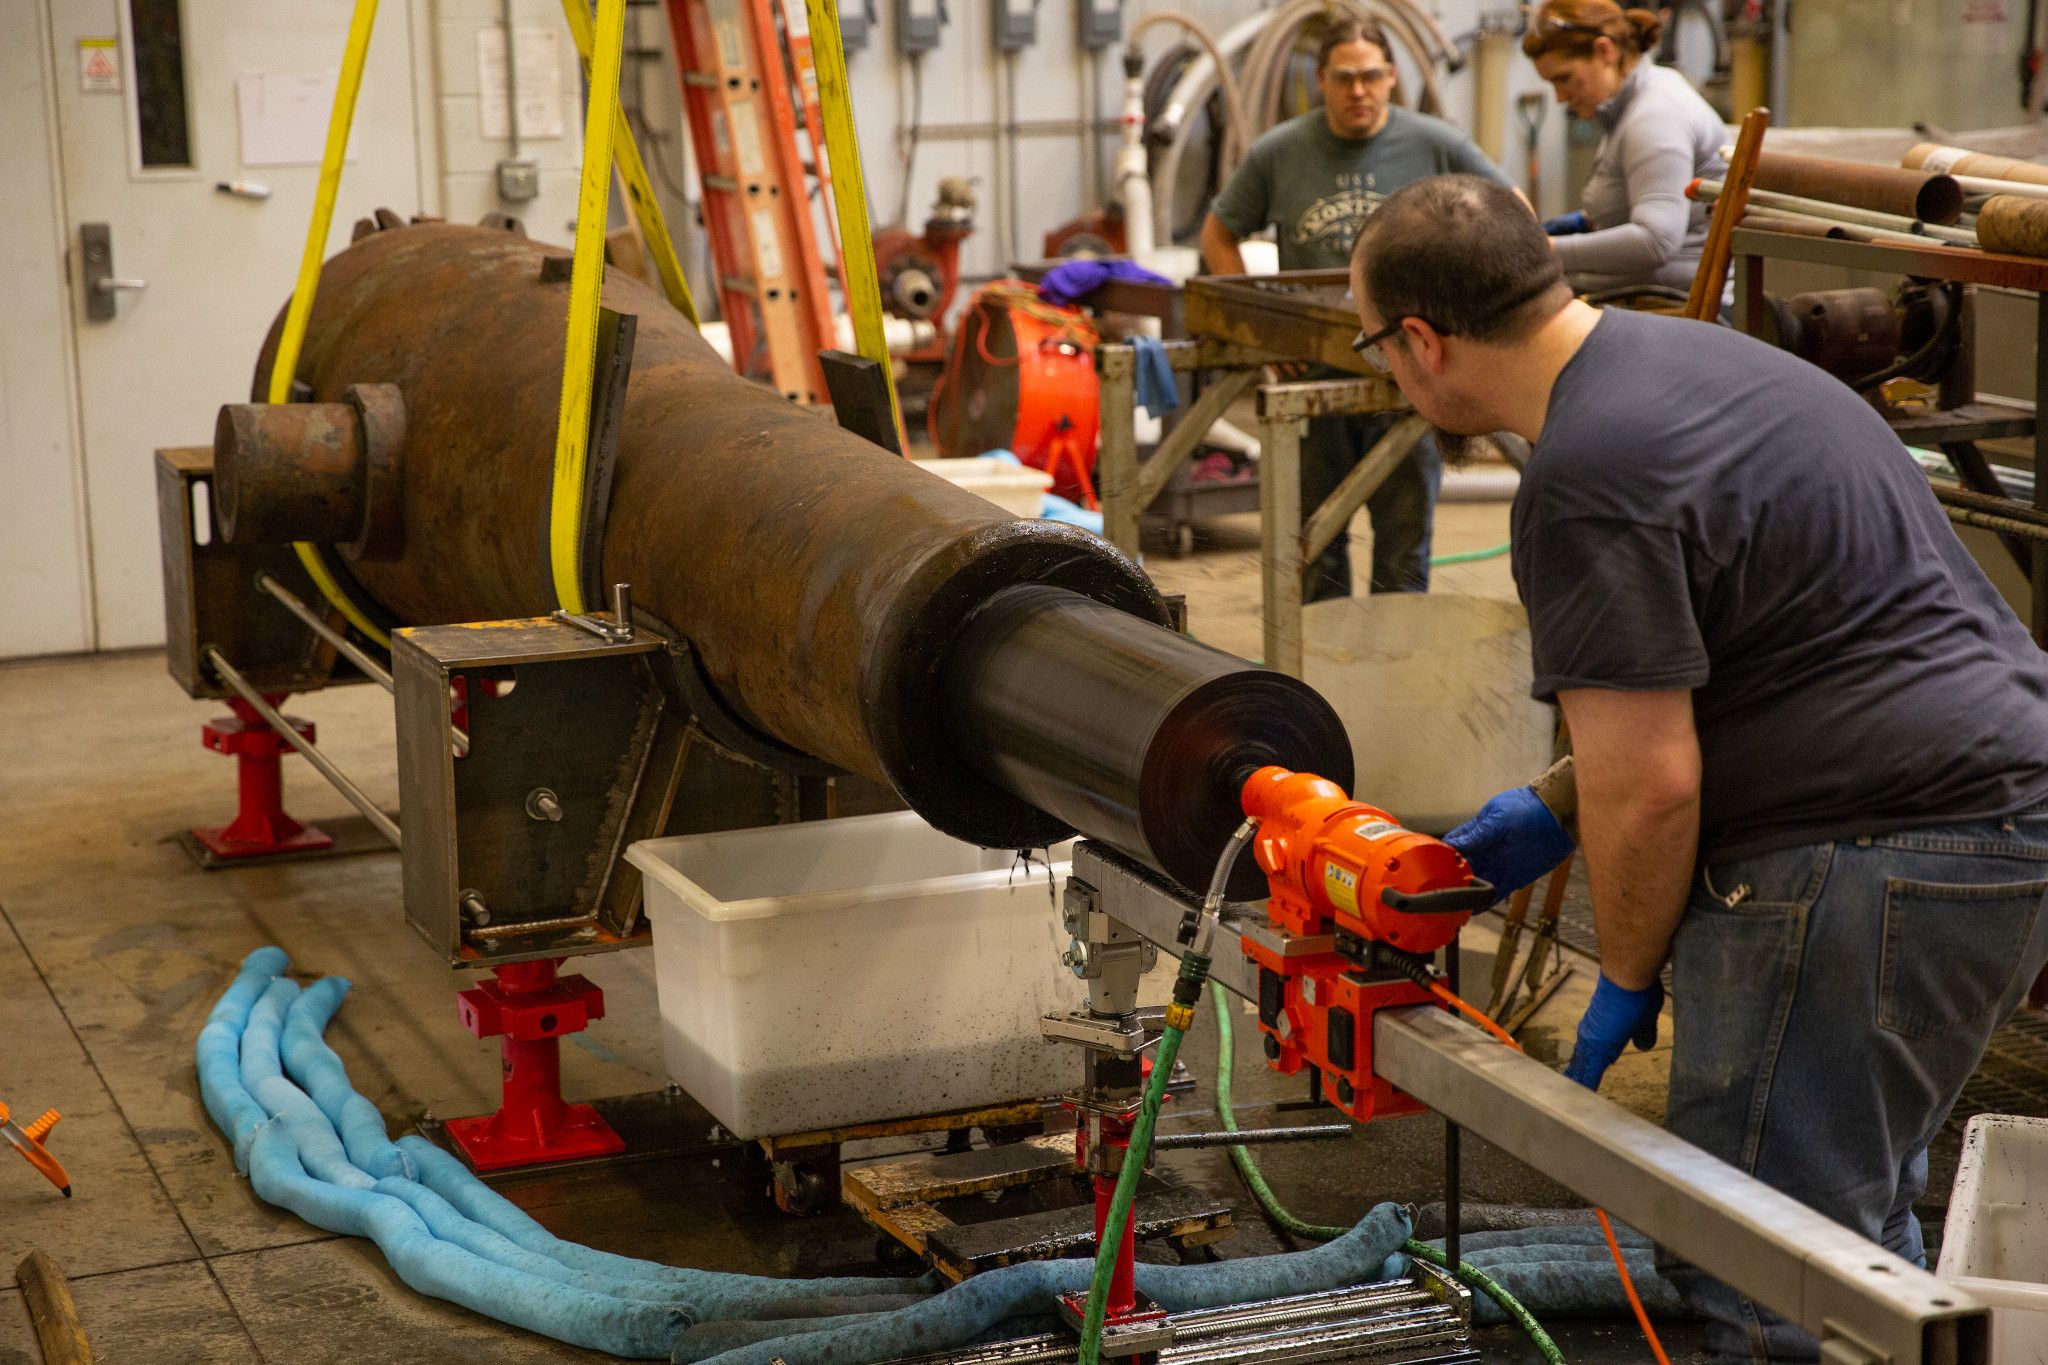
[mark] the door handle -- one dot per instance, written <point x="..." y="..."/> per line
<point x="102" y="285"/>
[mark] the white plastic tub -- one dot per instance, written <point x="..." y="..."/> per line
<point x="1994" y="1243"/>
<point x="1016" y="488"/>
<point x="1434" y="688"/>
<point x="855" y="970"/>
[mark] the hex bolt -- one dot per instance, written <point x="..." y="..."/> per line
<point x="474" y="909"/>
<point x="543" y="804"/>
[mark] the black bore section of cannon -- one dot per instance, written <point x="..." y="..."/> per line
<point x="1133" y="735"/>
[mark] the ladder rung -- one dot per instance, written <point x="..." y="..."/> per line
<point x="703" y="80"/>
<point x="723" y="183"/>
<point x="740" y="284"/>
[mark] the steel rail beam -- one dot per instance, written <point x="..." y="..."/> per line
<point x="1866" y="1305"/>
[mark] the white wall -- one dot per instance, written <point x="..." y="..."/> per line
<point x="464" y="161"/>
<point x="962" y="86"/>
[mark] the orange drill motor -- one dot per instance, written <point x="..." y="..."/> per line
<point x="1381" y="896"/>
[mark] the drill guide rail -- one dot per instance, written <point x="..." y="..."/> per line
<point x="1867" y="1306"/>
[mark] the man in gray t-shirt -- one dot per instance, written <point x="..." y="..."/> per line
<point x="1313" y="179"/>
<point x="1811" y="738"/>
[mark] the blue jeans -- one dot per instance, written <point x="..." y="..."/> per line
<point x="1401" y="508"/>
<point x="1829" y="1002"/>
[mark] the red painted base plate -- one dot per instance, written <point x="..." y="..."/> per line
<point x="310" y="839"/>
<point x="493" y="1142"/>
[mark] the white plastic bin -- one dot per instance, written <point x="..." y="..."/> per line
<point x="854" y="970"/>
<point x="1994" y="1244"/>
<point x="1016" y="488"/>
<point x="1434" y="688"/>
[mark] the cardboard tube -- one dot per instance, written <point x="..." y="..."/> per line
<point x="1929" y="196"/>
<point x="1930" y="156"/>
<point x="2012" y="224"/>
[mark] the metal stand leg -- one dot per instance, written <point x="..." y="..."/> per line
<point x="532" y="1008"/>
<point x="261" y="828"/>
<point x="1453" y="1185"/>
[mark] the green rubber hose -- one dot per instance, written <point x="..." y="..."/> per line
<point x="1472" y="556"/>
<point x="1248" y="1167"/>
<point x="1194" y="970"/>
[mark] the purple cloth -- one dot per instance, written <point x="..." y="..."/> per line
<point x="1068" y="281"/>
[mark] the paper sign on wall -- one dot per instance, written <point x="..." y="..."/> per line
<point x="99" y="65"/>
<point x="284" y="117"/>
<point x="540" y="83"/>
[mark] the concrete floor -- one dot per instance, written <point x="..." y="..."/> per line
<point x="114" y="946"/>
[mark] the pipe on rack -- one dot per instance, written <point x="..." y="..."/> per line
<point x="1707" y="191"/>
<point x="2012" y="224"/>
<point x="1930" y="156"/>
<point x="1929" y="196"/>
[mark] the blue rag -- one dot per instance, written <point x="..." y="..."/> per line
<point x="1067" y="282"/>
<point x="1157" y="393"/>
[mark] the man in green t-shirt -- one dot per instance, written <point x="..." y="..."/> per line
<point x="1314" y="179"/>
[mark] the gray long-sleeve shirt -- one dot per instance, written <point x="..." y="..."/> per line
<point x="1660" y="136"/>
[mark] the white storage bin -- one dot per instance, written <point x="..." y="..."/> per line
<point x="1016" y="488"/>
<point x="1434" y="688"/>
<point x="854" y="970"/>
<point x="1994" y="1244"/>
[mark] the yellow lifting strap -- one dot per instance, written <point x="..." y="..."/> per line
<point x="285" y="364"/>
<point x="633" y="173"/>
<point x="586" y="284"/>
<point x="863" y="283"/>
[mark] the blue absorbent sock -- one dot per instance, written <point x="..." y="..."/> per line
<point x="265" y="1033"/>
<point x="314" y="1065"/>
<point x="280" y="1174"/>
<point x="967" y="1311"/>
<point x="637" y="1331"/>
<point x="709" y="1295"/>
<point x="233" y="1109"/>
<point x="493" y="1227"/>
<point x="1561" y="1272"/>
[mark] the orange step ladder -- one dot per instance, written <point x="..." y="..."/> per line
<point x="740" y="85"/>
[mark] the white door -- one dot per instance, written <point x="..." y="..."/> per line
<point x="45" y="597"/>
<point x="199" y="90"/>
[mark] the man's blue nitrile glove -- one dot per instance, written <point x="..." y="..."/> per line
<point x="1617" y="1017"/>
<point x="1567" y="224"/>
<point x="1513" y="840"/>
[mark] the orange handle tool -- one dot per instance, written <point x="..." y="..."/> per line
<point x="29" y="1142"/>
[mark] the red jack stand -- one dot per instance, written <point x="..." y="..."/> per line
<point x="532" y="1008"/>
<point x="260" y="827"/>
<point x="1132" y="1327"/>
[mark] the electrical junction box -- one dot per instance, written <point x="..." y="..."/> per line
<point x="1015" y="24"/>
<point x="1102" y="23"/>
<point x="854" y="24"/>
<point x="917" y="25"/>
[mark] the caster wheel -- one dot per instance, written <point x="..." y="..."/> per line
<point x="799" y="1189"/>
<point x="895" y="1258"/>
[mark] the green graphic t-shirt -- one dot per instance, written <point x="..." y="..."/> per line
<point x="1315" y="188"/>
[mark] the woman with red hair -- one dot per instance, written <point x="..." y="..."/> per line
<point x="1634" y="225"/>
